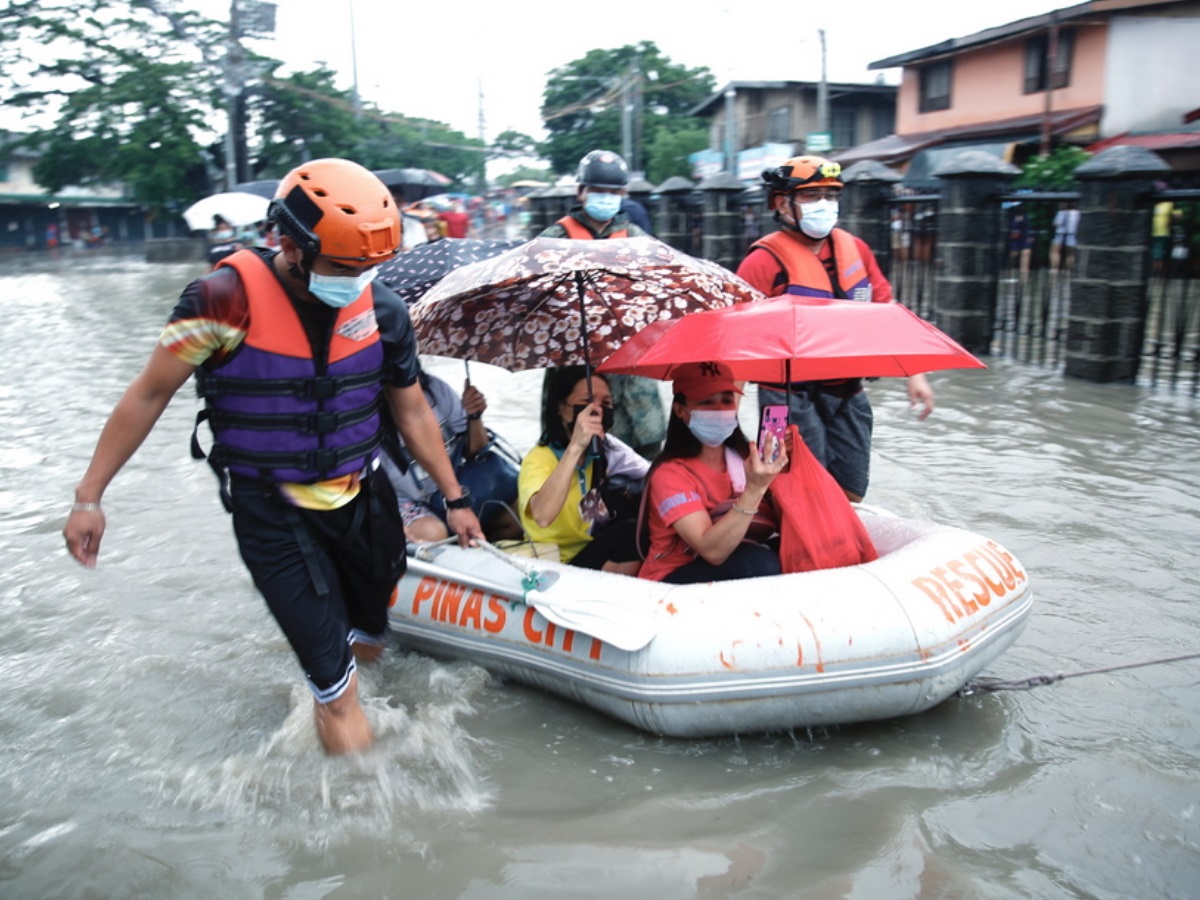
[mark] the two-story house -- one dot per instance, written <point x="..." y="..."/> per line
<point x="1082" y="74"/>
<point x="773" y="120"/>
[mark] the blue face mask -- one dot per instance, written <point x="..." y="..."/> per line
<point x="602" y="206"/>
<point x="712" y="427"/>
<point x="339" y="290"/>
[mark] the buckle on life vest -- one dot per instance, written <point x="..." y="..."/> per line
<point x="323" y="422"/>
<point x="321" y="388"/>
<point x="322" y="460"/>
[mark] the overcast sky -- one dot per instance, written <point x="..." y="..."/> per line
<point x="432" y="59"/>
<point x="456" y="61"/>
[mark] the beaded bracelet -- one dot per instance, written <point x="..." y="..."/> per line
<point x="744" y="512"/>
<point x="85" y="507"/>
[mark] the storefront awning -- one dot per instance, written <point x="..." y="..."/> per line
<point x="919" y="175"/>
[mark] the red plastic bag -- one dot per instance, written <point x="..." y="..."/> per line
<point x="819" y="529"/>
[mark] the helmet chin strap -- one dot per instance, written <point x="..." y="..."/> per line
<point x="786" y="224"/>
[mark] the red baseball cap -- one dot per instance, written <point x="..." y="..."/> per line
<point x="699" y="381"/>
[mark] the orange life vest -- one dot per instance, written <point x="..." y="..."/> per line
<point x="576" y="230"/>
<point x="806" y="274"/>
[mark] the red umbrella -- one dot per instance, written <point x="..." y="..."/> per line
<point x="555" y="302"/>
<point x="795" y="339"/>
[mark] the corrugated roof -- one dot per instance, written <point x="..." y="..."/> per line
<point x="1178" y="140"/>
<point x="714" y="101"/>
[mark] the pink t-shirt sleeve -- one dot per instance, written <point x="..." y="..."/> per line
<point x="674" y="493"/>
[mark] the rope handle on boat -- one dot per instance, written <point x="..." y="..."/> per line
<point x="989" y="685"/>
<point x="530" y="577"/>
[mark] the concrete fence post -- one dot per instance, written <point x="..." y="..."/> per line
<point x="969" y="246"/>
<point x="863" y="207"/>
<point x="722" y="219"/>
<point x="673" y="213"/>
<point x="1106" y="323"/>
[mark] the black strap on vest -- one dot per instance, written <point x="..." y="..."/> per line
<point x="317" y="387"/>
<point x="317" y="423"/>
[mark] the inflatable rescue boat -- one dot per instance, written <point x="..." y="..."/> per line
<point x="892" y="637"/>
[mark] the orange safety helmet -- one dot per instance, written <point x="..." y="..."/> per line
<point x="337" y="209"/>
<point x="802" y="172"/>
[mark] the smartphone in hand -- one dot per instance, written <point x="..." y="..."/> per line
<point x="774" y="421"/>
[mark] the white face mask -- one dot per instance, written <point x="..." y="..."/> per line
<point x="712" y="426"/>
<point x="339" y="290"/>
<point x="818" y="218"/>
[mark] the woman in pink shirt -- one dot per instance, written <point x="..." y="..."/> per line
<point x="709" y="512"/>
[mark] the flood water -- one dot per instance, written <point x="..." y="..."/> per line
<point x="156" y="739"/>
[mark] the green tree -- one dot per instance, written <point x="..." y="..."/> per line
<point x="304" y="116"/>
<point x="668" y="151"/>
<point x="582" y="106"/>
<point x="135" y="91"/>
<point x="516" y="143"/>
<point x="129" y="98"/>
<point x="1054" y="172"/>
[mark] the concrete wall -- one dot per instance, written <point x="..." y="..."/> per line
<point x="1152" y="73"/>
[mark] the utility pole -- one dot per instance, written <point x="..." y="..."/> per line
<point x="627" y="116"/>
<point x="636" y="117"/>
<point x="731" y="129"/>
<point x="354" y="65"/>
<point x="247" y="18"/>
<point x="232" y="87"/>
<point x="822" y="91"/>
<point x="1051" y="66"/>
<point x="481" y="181"/>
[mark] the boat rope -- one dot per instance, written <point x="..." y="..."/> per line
<point x="988" y="685"/>
<point x="530" y="577"/>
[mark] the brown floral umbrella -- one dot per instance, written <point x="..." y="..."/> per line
<point x="556" y="302"/>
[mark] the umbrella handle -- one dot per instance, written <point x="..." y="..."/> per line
<point x="595" y="447"/>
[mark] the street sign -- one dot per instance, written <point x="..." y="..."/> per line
<point x="819" y="142"/>
<point x="256" y="18"/>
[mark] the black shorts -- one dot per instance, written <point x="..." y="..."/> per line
<point x="327" y="576"/>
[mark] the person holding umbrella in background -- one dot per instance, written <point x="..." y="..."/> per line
<point x="603" y="177"/>
<point x="298" y="355"/>
<point x="810" y="257"/>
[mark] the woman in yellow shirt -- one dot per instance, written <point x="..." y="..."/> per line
<point x="559" y="487"/>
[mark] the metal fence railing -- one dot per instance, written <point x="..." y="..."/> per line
<point x="1171" y="344"/>
<point x="1033" y="281"/>
<point x="911" y="259"/>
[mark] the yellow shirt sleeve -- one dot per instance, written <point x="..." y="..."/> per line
<point x="568" y="530"/>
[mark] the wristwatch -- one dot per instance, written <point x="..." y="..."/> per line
<point x="463" y="502"/>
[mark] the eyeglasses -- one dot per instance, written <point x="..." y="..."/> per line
<point x="811" y="194"/>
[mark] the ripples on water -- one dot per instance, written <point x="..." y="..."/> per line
<point x="156" y="740"/>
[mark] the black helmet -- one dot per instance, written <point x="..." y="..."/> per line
<point x="603" y="169"/>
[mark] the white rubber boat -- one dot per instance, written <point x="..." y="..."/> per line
<point x="892" y="637"/>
